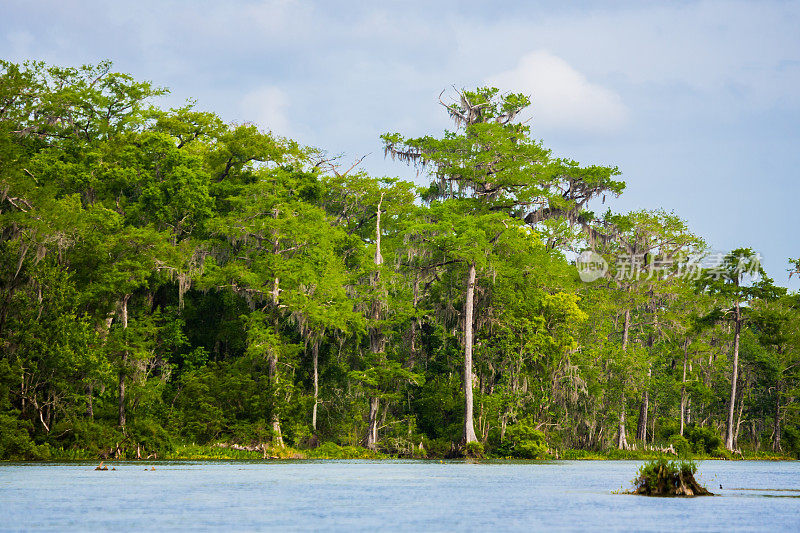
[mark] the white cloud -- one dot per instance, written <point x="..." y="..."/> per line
<point x="562" y="98"/>
<point x="267" y="106"/>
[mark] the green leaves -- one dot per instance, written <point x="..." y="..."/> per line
<point x="232" y="281"/>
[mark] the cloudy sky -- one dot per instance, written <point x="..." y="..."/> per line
<point x="698" y="103"/>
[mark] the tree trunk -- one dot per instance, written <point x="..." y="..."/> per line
<point x="644" y="407"/>
<point x="653" y="419"/>
<point x="412" y="356"/>
<point x="729" y="444"/>
<point x="776" y="430"/>
<point x="469" y="309"/>
<point x="739" y="416"/>
<point x="622" y="441"/>
<point x="315" y="362"/>
<point x="683" y="383"/>
<point x="372" y="433"/>
<point x="376" y="338"/>
<point x="277" y="435"/>
<point x="123" y="313"/>
<point x="688" y="409"/>
<point x="754" y="434"/>
<point x="90" y="402"/>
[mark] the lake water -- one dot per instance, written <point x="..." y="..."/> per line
<point x="389" y="495"/>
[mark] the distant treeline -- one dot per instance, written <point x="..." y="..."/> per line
<point x="167" y="278"/>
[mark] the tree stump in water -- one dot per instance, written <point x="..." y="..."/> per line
<point x="661" y="477"/>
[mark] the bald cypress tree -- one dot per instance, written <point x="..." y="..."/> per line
<point x="487" y="170"/>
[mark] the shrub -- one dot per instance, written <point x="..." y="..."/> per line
<point x="522" y="440"/>
<point x="15" y="440"/>
<point x="704" y="440"/>
<point x="150" y="436"/>
<point x="721" y="453"/>
<point x="681" y="445"/>
<point x="667" y="427"/>
<point x="791" y="440"/>
<point x="82" y="434"/>
<point x="330" y="450"/>
<point x="473" y="449"/>
<point x="440" y="447"/>
<point x="297" y="433"/>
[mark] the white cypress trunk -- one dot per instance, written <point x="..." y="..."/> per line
<point x="622" y="441"/>
<point x="683" y="384"/>
<point x="729" y="436"/>
<point x="315" y="357"/>
<point x="469" y="308"/>
<point x="123" y="311"/>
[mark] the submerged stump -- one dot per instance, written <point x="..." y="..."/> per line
<point x="662" y="477"/>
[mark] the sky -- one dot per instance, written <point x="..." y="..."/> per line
<point x="696" y="102"/>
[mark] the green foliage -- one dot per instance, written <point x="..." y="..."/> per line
<point x="651" y="471"/>
<point x="473" y="449"/>
<point x="15" y="440"/>
<point x="97" y="437"/>
<point x="791" y="436"/>
<point x="523" y="441"/>
<point x="662" y="477"/>
<point x="150" y="436"/>
<point x="703" y="439"/>
<point x="681" y="445"/>
<point x="441" y="447"/>
<point x="329" y="450"/>
<point x="167" y="278"/>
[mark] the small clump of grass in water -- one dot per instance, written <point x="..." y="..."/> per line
<point x="664" y="477"/>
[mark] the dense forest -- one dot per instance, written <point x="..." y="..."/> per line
<point x="167" y="278"/>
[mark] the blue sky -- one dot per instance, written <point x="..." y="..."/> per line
<point x="698" y="103"/>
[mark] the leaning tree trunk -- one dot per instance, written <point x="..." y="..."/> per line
<point x="622" y="441"/>
<point x="469" y="309"/>
<point x="123" y="311"/>
<point x="729" y="434"/>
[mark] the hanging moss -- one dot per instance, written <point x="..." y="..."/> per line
<point x="662" y="477"/>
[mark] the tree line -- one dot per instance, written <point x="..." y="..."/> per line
<point x="166" y="277"/>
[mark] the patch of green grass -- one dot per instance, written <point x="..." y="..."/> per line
<point x="330" y="450"/>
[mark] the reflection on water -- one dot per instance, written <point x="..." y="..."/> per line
<point x="769" y="490"/>
<point x="394" y="495"/>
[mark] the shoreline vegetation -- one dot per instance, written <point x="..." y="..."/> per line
<point x="234" y="452"/>
<point x="167" y="277"/>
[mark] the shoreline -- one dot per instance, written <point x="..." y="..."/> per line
<point x="331" y="452"/>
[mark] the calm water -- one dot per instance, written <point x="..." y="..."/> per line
<point x="389" y="495"/>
